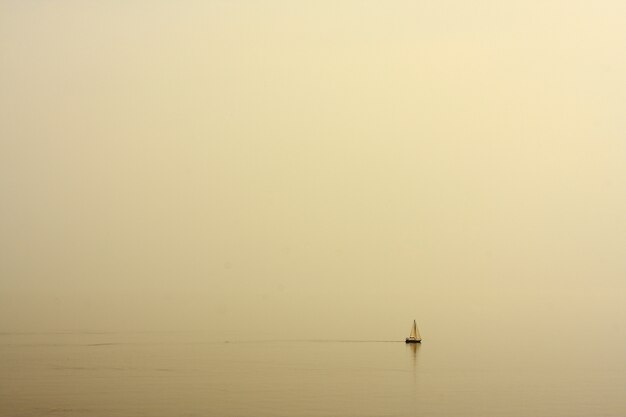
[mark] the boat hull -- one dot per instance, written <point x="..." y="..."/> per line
<point x="412" y="341"/>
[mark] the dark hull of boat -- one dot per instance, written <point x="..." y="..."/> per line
<point x="412" y="341"/>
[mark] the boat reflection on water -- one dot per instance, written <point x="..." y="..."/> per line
<point x="413" y="350"/>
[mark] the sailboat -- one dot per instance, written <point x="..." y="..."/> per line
<point x="414" y="337"/>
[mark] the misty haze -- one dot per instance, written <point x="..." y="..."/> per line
<point x="238" y="208"/>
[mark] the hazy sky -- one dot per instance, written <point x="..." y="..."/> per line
<point x="284" y="169"/>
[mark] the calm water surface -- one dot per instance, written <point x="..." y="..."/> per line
<point x="179" y="375"/>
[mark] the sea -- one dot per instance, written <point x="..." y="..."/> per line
<point x="180" y="374"/>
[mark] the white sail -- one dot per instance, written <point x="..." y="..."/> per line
<point x="415" y="334"/>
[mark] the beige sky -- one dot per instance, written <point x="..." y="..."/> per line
<point x="253" y="169"/>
